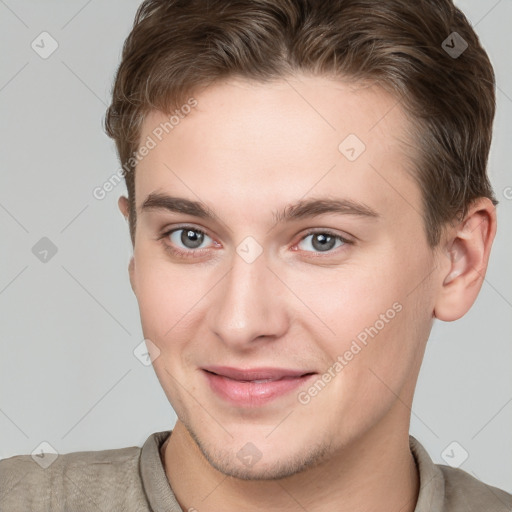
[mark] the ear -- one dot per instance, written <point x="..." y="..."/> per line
<point x="123" y="204"/>
<point x="131" y="273"/>
<point x="124" y="207"/>
<point x="467" y="253"/>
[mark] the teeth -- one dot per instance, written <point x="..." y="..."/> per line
<point x="258" y="381"/>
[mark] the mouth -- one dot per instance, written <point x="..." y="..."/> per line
<point x="254" y="387"/>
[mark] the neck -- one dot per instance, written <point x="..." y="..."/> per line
<point x="377" y="472"/>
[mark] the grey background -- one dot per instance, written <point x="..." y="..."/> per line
<point x="69" y="326"/>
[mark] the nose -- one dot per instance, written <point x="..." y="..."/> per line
<point x="249" y="305"/>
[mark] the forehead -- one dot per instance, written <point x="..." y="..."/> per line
<point x="280" y="141"/>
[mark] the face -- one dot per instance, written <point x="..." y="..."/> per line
<point x="283" y="333"/>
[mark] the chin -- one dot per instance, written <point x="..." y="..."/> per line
<point x="272" y="463"/>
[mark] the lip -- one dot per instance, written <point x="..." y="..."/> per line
<point x="254" y="387"/>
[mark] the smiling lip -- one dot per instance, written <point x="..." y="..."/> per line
<point x="255" y="386"/>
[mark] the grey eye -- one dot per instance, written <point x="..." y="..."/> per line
<point x="189" y="238"/>
<point x="323" y="242"/>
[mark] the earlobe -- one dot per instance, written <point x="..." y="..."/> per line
<point x="467" y="253"/>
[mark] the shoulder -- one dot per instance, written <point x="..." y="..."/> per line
<point x="447" y="489"/>
<point x="72" y="481"/>
<point x="464" y="492"/>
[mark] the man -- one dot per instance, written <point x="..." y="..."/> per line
<point x="304" y="199"/>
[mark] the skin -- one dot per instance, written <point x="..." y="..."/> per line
<point x="247" y="150"/>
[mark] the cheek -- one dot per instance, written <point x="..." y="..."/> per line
<point x="171" y="299"/>
<point x="344" y="302"/>
<point x="374" y="322"/>
<point x="391" y="350"/>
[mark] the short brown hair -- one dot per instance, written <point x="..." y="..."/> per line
<point x="177" y="47"/>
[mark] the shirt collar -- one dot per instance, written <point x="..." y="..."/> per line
<point x="154" y="480"/>
<point x="162" y="499"/>
<point x="431" y="494"/>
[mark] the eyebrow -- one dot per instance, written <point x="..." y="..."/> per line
<point x="302" y="209"/>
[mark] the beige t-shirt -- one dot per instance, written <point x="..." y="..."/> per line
<point x="133" y="480"/>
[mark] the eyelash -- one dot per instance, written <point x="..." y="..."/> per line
<point x="193" y="253"/>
